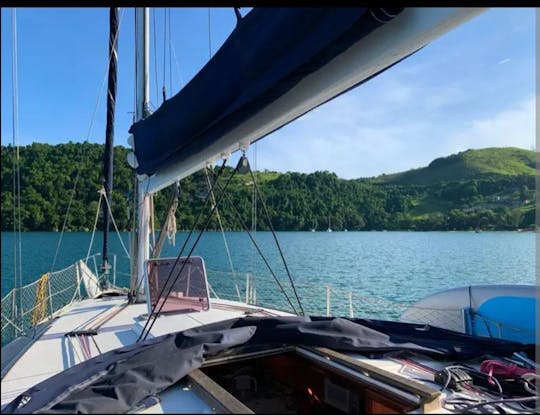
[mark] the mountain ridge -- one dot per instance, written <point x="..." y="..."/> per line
<point x="471" y="163"/>
<point x="493" y="189"/>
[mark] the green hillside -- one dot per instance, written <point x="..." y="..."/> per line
<point x="491" y="188"/>
<point x="470" y="164"/>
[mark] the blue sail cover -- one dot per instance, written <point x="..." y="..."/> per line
<point x="266" y="55"/>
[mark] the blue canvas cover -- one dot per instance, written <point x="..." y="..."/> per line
<point x="267" y="54"/>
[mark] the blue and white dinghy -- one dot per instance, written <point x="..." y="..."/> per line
<point x="496" y="311"/>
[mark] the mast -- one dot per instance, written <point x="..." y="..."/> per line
<point x="109" y="139"/>
<point x="142" y="94"/>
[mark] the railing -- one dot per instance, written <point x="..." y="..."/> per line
<point x="323" y="299"/>
<point x="24" y="308"/>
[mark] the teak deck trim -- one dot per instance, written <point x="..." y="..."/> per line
<point x="429" y="397"/>
<point x="215" y="396"/>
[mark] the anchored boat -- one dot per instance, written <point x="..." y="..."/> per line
<point x="171" y="344"/>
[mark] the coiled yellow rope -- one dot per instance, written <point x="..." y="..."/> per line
<point x="40" y="311"/>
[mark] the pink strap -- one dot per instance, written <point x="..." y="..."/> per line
<point x="510" y="370"/>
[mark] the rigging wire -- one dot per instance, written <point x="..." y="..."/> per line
<point x="265" y="210"/>
<point x="82" y="159"/>
<point x="115" y="226"/>
<point x="155" y="56"/>
<point x="94" y="228"/>
<point x="153" y="311"/>
<point x="17" y="236"/>
<point x="177" y="65"/>
<point x="133" y="234"/>
<point x="164" y="51"/>
<point x="256" y="245"/>
<point x="213" y="201"/>
<point x="170" y="60"/>
<point x="209" y="36"/>
<point x="172" y="53"/>
<point x="253" y="203"/>
<point x="254" y="219"/>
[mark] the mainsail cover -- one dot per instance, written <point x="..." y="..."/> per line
<point x="269" y="52"/>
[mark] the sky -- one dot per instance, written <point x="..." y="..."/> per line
<point x="472" y="88"/>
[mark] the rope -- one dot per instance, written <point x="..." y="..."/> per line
<point x="505" y="370"/>
<point x="529" y="386"/>
<point x="82" y="159"/>
<point x="480" y="404"/>
<point x="116" y="227"/>
<point x="134" y="262"/>
<point x="170" y="226"/>
<point x="168" y="230"/>
<point x="223" y="234"/>
<point x="40" y="310"/>
<point x="152" y="223"/>
<point x="70" y="341"/>
<point x="153" y="312"/>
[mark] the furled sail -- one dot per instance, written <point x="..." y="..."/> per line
<point x="268" y="53"/>
<point x="275" y="66"/>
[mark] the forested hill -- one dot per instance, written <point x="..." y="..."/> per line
<point x="490" y="188"/>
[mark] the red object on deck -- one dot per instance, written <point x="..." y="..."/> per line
<point x="504" y="370"/>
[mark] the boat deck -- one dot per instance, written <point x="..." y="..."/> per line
<point x="117" y="325"/>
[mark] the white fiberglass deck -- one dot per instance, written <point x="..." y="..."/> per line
<point x="53" y="352"/>
<point x="118" y="324"/>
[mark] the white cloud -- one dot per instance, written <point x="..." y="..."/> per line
<point x="355" y="139"/>
<point x="502" y="62"/>
<point x="351" y="136"/>
<point x="513" y="126"/>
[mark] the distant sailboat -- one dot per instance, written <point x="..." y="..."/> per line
<point x="329" y="227"/>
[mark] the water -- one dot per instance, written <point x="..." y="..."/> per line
<point x="399" y="266"/>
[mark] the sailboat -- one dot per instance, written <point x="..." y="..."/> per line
<point x="169" y="346"/>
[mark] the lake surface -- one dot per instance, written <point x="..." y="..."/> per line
<point x="399" y="266"/>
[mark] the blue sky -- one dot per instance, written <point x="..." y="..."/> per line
<point x="472" y="88"/>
